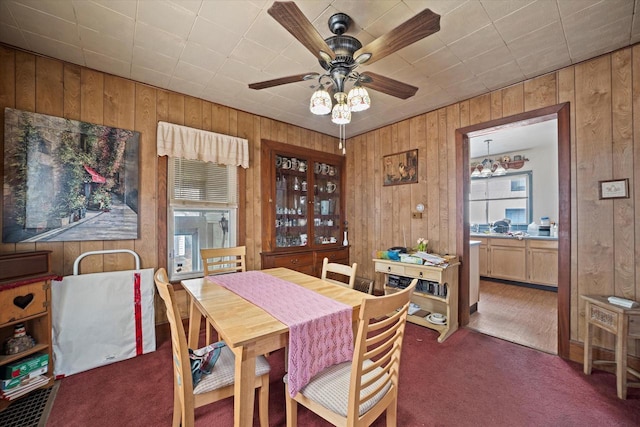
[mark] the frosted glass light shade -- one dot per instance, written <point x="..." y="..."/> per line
<point x="341" y="114"/>
<point x="358" y="99"/>
<point x="320" y="102"/>
<point x="499" y="170"/>
<point x="476" y="172"/>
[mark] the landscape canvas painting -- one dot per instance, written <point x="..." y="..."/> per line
<point x="67" y="180"/>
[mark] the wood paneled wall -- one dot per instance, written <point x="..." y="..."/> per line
<point x="42" y="85"/>
<point x="604" y="96"/>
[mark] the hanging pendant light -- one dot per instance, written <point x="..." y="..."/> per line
<point x="487" y="164"/>
<point x="500" y="170"/>
<point x="358" y="99"/>
<point x="341" y="114"/>
<point x="320" y="102"/>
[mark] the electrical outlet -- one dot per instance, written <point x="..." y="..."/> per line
<point x="416" y="215"/>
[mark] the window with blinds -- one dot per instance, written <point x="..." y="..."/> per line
<point x="202" y="212"/>
<point x="207" y="182"/>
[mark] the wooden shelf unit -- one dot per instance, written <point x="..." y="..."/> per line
<point x="26" y="274"/>
<point x="447" y="276"/>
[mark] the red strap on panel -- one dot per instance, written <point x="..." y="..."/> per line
<point x="137" y="305"/>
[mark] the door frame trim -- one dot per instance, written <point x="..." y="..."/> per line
<point x="561" y="112"/>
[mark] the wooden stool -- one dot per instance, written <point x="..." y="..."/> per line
<point x="617" y="320"/>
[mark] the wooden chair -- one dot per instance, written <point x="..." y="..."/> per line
<point x="213" y="387"/>
<point x="222" y="261"/>
<point x="345" y="271"/>
<point x="356" y="393"/>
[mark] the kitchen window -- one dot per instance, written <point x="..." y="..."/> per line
<point x="202" y="213"/>
<point x="495" y="198"/>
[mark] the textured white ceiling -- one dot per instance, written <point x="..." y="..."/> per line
<point x="212" y="49"/>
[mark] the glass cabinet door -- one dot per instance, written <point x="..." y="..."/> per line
<point x="291" y="201"/>
<point x="326" y="206"/>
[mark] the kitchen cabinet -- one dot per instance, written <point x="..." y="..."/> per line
<point x="25" y="298"/>
<point x="507" y="259"/>
<point x="529" y="260"/>
<point x="302" y="207"/>
<point x="542" y="262"/>
<point x="474" y="275"/>
<point x="436" y="292"/>
<point x="483" y="266"/>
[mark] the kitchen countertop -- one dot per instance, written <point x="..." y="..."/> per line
<point x="506" y="236"/>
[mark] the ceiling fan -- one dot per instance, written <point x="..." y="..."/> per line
<point x="341" y="54"/>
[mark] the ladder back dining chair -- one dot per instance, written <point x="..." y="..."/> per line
<point x="222" y="261"/>
<point x="356" y="393"/>
<point x="338" y="273"/>
<point x="217" y="385"/>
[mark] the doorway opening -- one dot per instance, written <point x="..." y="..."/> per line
<point x="561" y="114"/>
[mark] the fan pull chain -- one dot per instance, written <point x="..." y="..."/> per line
<point x="342" y="139"/>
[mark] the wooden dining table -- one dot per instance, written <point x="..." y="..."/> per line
<point x="248" y="330"/>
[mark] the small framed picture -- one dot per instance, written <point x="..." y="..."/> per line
<point x="401" y="168"/>
<point x="614" y="189"/>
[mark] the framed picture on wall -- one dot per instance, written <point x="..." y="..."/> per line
<point x="67" y="180"/>
<point x="400" y="168"/>
<point x="614" y="189"/>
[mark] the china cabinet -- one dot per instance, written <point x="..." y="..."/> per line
<point x="303" y="216"/>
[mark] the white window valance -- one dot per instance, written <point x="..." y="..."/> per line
<point x="195" y="144"/>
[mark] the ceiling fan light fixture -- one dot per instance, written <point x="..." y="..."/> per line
<point x="476" y="172"/>
<point x="341" y="114"/>
<point x="362" y="58"/>
<point x="320" y="102"/>
<point x="358" y="99"/>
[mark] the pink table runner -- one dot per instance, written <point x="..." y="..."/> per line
<point x="320" y="332"/>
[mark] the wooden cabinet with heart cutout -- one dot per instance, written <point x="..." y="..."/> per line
<point x="25" y="295"/>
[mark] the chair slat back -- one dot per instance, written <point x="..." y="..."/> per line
<point x="224" y="260"/>
<point x="345" y="271"/>
<point x="183" y="384"/>
<point x="379" y="340"/>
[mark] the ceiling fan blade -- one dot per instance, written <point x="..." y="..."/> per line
<point x="389" y="86"/>
<point x="281" y="81"/>
<point x="420" y="26"/>
<point x="294" y="21"/>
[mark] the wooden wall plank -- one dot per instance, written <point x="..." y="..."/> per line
<point x="624" y="213"/>
<point x="92" y="111"/>
<point x="25" y="81"/>
<point x="220" y="115"/>
<point x="453" y="123"/>
<point x="445" y="179"/>
<point x="150" y="239"/>
<point x="418" y="136"/>
<point x="594" y="160"/>
<point x="496" y="105"/>
<point x="119" y="111"/>
<point x="176" y="108"/>
<point x="433" y="183"/>
<point x="193" y="112"/>
<point x="49" y="86"/>
<point x="540" y="92"/>
<point x="71" y="101"/>
<point x="49" y="96"/>
<point x="512" y="100"/>
<point x="480" y="109"/>
<point x="7" y="99"/>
